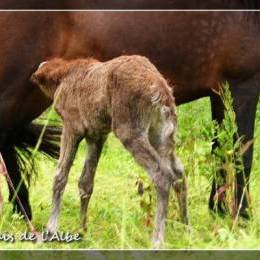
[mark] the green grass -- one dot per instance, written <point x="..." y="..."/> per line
<point x="120" y="218"/>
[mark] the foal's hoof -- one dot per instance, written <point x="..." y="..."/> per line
<point x="49" y="232"/>
<point x="47" y="235"/>
<point x="157" y="243"/>
<point x="52" y="226"/>
<point x="82" y="231"/>
<point x="39" y="238"/>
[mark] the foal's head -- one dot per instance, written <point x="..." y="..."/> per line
<point x="50" y="74"/>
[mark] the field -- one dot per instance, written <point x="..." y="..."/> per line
<point x="120" y="218"/>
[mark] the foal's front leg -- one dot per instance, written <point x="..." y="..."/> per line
<point x="69" y="144"/>
<point x="86" y="181"/>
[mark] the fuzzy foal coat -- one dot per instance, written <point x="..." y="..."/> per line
<point x="129" y="96"/>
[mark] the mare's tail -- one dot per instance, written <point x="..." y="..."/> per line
<point x="17" y="148"/>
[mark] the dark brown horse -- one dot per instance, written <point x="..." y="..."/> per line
<point x="196" y="49"/>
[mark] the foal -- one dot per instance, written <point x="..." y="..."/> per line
<point x="128" y="96"/>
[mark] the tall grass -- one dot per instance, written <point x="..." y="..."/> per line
<point x="227" y="156"/>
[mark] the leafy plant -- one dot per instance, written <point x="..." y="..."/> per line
<point x="227" y="155"/>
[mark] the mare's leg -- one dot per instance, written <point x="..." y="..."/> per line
<point x="245" y="97"/>
<point x="138" y="144"/>
<point x="69" y="145"/>
<point x="86" y="181"/>
<point x="216" y="203"/>
<point x="21" y="192"/>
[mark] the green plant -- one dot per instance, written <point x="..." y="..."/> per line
<point x="227" y="155"/>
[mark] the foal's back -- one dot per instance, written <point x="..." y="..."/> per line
<point x="121" y="87"/>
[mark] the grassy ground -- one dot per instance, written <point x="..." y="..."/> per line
<point x="120" y="218"/>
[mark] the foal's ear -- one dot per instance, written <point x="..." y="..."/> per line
<point x="42" y="64"/>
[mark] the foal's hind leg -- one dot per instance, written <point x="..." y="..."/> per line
<point x="138" y="144"/>
<point x="164" y="144"/>
<point x="69" y="144"/>
<point x="86" y="181"/>
<point x="180" y="187"/>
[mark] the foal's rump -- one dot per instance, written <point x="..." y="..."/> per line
<point x="149" y="112"/>
<point x="137" y="87"/>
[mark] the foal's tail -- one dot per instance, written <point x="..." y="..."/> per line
<point x="17" y="148"/>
